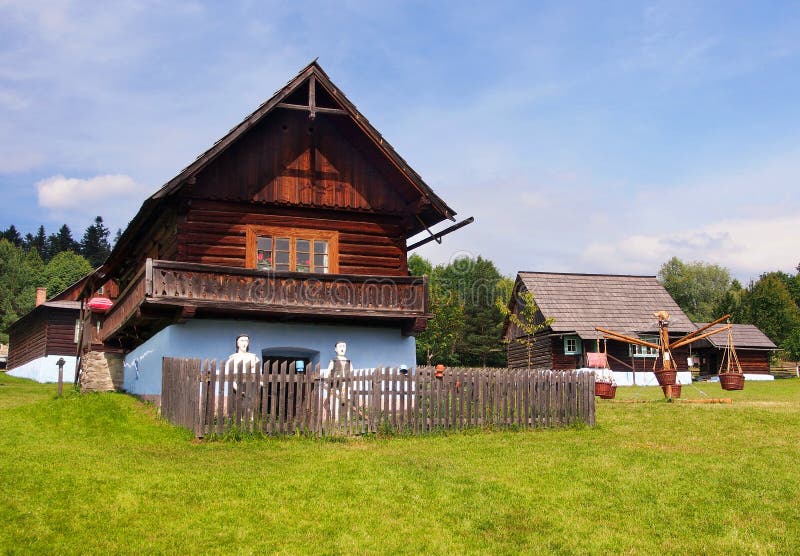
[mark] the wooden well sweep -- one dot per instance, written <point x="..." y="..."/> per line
<point x="667" y="373"/>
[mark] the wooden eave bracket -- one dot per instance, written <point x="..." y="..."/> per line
<point x="187" y="312"/>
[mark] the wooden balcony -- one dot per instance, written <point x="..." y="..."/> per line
<point x="166" y="291"/>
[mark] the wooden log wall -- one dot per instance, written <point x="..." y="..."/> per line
<point x="548" y="353"/>
<point x="752" y="361"/>
<point x="214" y="399"/>
<point x="541" y="354"/>
<point x="61" y="332"/>
<point x="213" y="232"/>
<point x="27" y="341"/>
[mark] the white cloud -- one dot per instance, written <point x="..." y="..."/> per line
<point x="745" y="246"/>
<point x="114" y="197"/>
<point x="61" y="193"/>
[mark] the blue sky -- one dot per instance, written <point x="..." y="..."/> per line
<point x="583" y="137"/>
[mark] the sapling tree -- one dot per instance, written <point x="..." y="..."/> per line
<point x="527" y="319"/>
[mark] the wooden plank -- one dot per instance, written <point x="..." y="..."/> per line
<point x="211" y="396"/>
<point x="548" y="398"/>
<point x="202" y="385"/>
<point x="221" y="396"/>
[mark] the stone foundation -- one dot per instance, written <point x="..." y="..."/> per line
<point x="101" y="372"/>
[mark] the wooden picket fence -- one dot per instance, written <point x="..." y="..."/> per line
<point x="212" y="400"/>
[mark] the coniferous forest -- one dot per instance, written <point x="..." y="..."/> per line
<point x="55" y="261"/>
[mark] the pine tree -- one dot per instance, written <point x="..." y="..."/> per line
<point x="12" y="235"/>
<point x="62" y="241"/>
<point x="40" y="244"/>
<point x="94" y="245"/>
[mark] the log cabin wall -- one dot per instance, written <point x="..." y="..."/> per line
<point x="293" y="172"/>
<point x="548" y="353"/>
<point x="753" y="361"/>
<point x="562" y="361"/>
<point x="541" y="354"/>
<point x="159" y="242"/>
<point x="61" y="332"/>
<point x="48" y="332"/>
<point x="214" y="232"/>
<point x="27" y="341"/>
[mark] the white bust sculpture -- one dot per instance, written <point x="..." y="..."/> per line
<point x="242" y="355"/>
<point x="340" y="363"/>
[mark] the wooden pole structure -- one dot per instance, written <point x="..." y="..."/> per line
<point x="60" y="364"/>
<point x="664" y="347"/>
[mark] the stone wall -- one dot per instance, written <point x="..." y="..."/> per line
<point x="101" y="372"/>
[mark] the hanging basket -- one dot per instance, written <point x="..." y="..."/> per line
<point x="605" y="390"/>
<point x="731" y="381"/>
<point x="666" y="378"/>
<point x="676" y="391"/>
<point x="99" y="304"/>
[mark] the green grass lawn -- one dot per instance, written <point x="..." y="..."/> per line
<point x="102" y="473"/>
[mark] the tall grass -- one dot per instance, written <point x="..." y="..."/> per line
<point x="102" y="473"/>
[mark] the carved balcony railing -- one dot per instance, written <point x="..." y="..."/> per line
<point x="213" y="289"/>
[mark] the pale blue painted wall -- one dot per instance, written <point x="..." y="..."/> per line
<point x="367" y="346"/>
<point x="44" y="369"/>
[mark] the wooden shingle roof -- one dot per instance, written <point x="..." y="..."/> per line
<point x="580" y="302"/>
<point x="744" y="336"/>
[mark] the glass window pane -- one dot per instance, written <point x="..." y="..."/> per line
<point x="282" y="257"/>
<point x="303" y="255"/>
<point x="321" y="247"/>
<point x="264" y="253"/>
<point x="320" y="263"/>
<point x="282" y="244"/>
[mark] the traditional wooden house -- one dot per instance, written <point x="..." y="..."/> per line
<point x="292" y="229"/>
<point x="580" y="302"/>
<point x="46" y="334"/>
<point x="753" y="349"/>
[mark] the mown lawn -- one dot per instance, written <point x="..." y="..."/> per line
<point x="103" y="474"/>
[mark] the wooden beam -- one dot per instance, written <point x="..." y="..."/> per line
<point x="438" y="235"/>
<point x="627" y="339"/>
<point x="186" y="312"/>
<point x="699" y="330"/>
<point x="319" y="109"/>
<point x="312" y="97"/>
<point x="685" y="341"/>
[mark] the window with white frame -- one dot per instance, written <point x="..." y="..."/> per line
<point x="644" y="351"/>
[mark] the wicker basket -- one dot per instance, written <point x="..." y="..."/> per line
<point x="666" y="378"/>
<point x="731" y="381"/>
<point x="676" y="390"/>
<point x="605" y="390"/>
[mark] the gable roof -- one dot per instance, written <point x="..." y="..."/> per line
<point x="580" y="302"/>
<point x="438" y="209"/>
<point x="311" y="70"/>
<point x="744" y="336"/>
